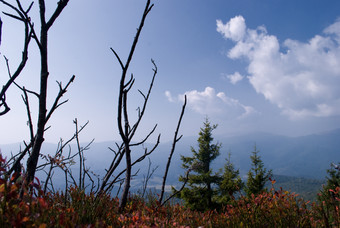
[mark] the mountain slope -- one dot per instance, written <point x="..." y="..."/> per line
<point x="308" y="156"/>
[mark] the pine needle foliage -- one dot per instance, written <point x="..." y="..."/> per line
<point x="202" y="182"/>
<point x="258" y="175"/>
<point x="231" y="182"/>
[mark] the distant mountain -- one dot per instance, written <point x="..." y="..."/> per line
<point x="307" y="156"/>
<point x="305" y="187"/>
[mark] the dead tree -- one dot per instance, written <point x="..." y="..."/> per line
<point x="175" y="140"/>
<point x="44" y="114"/>
<point x="147" y="178"/>
<point x="126" y="129"/>
<point x="64" y="160"/>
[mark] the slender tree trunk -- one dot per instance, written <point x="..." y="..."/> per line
<point x="175" y="140"/>
<point x="127" y="133"/>
<point x="39" y="137"/>
<point x="32" y="161"/>
<point x="0" y="30"/>
<point x="126" y="188"/>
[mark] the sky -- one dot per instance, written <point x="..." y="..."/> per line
<point x="248" y="65"/>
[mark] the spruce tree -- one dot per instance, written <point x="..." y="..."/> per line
<point x="200" y="193"/>
<point x="231" y="182"/>
<point x="257" y="175"/>
<point x="333" y="181"/>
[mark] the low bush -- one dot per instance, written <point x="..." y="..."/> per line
<point x="29" y="207"/>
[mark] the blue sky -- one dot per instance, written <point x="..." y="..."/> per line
<point x="266" y="65"/>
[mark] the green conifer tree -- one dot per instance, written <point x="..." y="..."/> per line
<point x="257" y="175"/>
<point x="200" y="192"/>
<point x="329" y="195"/>
<point x="333" y="181"/>
<point x="231" y="182"/>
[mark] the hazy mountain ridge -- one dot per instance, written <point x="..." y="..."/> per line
<point x="306" y="156"/>
<point x="306" y="188"/>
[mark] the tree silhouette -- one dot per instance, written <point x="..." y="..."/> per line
<point x="44" y="114"/>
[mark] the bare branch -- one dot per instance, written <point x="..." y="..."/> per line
<point x="16" y="84"/>
<point x="148" y="177"/>
<point x="0" y="30"/>
<point x="118" y="58"/>
<point x="13" y="16"/>
<point x="42" y="10"/>
<point x="29" y="8"/>
<point x="23" y="17"/>
<point x="56" y="103"/>
<point x="126" y="66"/>
<point x="129" y="84"/>
<point x="141" y="158"/>
<point x="144" y="105"/>
<point x="175" y="140"/>
<point x="61" y="5"/>
<point x="114" y="164"/>
<point x="146" y="153"/>
<point x="146" y="138"/>
<point x="178" y="191"/>
<point x="142" y="94"/>
<point x="126" y="132"/>
<point x="22" y="155"/>
<point x="43" y="116"/>
<point x="139" y="30"/>
<point x="29" y="121"/>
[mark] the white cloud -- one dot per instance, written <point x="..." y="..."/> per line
<point x="235" y="78"/>
<point x="210" y="103"/>
<point x="334" y="29"/>
<point x="235" y="29"/>
<point x="302" y="81"/>
<point x="169" y="96"/>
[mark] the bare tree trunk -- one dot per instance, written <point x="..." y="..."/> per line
<point x="42" y="43"/>
<point x="127" y="131"/>
<point x="172" y="150"/>
<point x="39" y="137"/>
<point x="42" y="117"/>
<point x="0" y="30"/>
<point x="126" y="187"/>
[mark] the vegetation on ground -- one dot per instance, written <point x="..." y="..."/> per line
<point x="274" y="208"/>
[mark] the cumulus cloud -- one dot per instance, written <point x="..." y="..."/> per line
<point x="235" y="29"/>
<point x="208" y="102"/>
<point x="303" y="80"/>
<point x="235" y="78"/>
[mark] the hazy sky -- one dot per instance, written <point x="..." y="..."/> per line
<point x="250" y="65"/>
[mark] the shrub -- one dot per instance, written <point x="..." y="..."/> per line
<point x="21" y="207"/>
